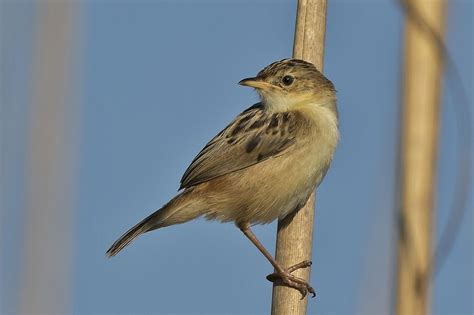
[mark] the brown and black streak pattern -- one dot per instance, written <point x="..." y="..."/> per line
<point x="305" y="72"/>
<point x="255" y="135"/>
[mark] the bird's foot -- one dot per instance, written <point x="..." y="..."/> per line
<point x="287" y="279"/>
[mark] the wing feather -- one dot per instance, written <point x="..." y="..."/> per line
<point x="254" y="136"/>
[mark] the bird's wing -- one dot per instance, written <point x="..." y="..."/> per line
<point x="252" y="137"/>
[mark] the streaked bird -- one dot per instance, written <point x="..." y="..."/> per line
<point x="264" y="165"/>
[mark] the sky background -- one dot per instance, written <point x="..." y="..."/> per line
<point x="154" y="81"/>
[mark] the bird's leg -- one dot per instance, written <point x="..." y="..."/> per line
<point x="281" y="275"/>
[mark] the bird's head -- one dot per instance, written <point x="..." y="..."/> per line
<point x="291" y="83"/>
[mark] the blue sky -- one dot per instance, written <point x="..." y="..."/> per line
<point x="157" y="80"/>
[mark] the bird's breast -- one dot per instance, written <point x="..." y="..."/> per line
<point x="278" y="185"/>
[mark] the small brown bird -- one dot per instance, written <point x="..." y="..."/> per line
<point x="264" y="165"/>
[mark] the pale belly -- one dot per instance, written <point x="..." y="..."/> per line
<point x="266" y="191"/>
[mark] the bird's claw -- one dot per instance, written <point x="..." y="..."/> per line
<point x="287" y="279"/>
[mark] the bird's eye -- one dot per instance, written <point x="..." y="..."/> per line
<point x="287" y="80"/>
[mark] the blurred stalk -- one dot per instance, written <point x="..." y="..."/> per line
<point x="46" y="263"/>
<point x="419" y="146"/>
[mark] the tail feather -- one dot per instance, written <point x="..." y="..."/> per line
<point x="130" y="235"/>
<point x="180" y="209"/>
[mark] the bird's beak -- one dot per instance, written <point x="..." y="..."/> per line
<point x="256" y="83"/>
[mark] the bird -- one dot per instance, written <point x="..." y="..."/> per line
<point x="264" y="165"/>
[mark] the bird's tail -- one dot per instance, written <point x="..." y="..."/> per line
<point x="180" y="209"/>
